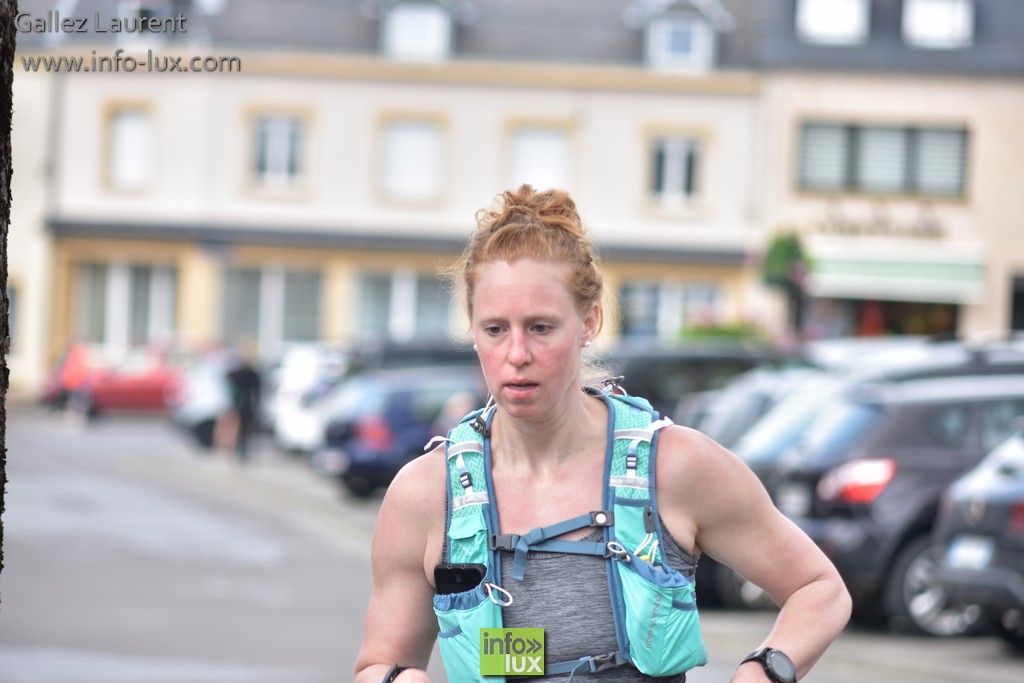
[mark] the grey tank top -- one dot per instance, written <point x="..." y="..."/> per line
<point x="567" y="595"/>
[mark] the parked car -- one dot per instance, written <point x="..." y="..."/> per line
<point x="798" y="403"/>
<point x="299" y="370"/>
<point x="865" y="481"/>
<point x="678" y="379"/>
<point x="301" y="422"/>
<point x="981" y="526"/>
<point x="144" y="379"/>
<point x="384" y="418"/>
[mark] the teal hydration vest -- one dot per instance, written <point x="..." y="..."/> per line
<point x="656" y="624"/>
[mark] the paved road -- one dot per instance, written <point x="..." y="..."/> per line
<point x="131" y="558"/>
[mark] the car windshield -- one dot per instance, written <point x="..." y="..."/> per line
<point x="783" y="424"/>
<point x="356" y="396"/>
<point x="743" y="402"/>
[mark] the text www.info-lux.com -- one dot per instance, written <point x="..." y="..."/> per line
<point x="121" y="62"/>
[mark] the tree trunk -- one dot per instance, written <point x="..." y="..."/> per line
<point x="8" y="9"/>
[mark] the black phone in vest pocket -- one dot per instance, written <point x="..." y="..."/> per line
<point x="457" y="578"/>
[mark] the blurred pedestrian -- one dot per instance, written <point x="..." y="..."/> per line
<point x="245" y="391"/>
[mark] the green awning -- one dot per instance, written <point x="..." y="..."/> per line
<point x="910" y="273"/>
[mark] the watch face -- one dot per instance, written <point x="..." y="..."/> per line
<point x="781" y="667"/>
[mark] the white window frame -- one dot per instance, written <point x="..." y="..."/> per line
<point x="271" y="335"/>
<point x="659" y="47"/>
<point x="403" y="297"/>
<point x="675" y="173"/>
<point x="411" y="159"/>
<point x="116" y="335"/>
<point x="938" y="24"/>
<point x="833" y="22"/>
<point x="417" y="31"/>
<point x="539" y="156"/>
<point x="678" y="306"/>
<point x="131" y="148"/>
<point x="277" y="139"/>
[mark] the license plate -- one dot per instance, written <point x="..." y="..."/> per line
<point x="793" y="500"/>
<point x="969" y="552"/>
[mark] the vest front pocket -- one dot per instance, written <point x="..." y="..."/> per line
<point x="661" y="619"/>
<point x="460" y="616"/>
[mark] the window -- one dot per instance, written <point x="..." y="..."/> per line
<point x="417" y="31"/>
<point x="680" y="43"/>
<point x="301" y="305"/>
<point x="540" y="157"/>
<point x="946" y="425"/>
<point x="402" y="305"/>
<point x="412" y="160"/>
<point x="833" y="22"/>
<point x="123" y="306"/>
<point x="883" y="159"/>
<point x="675" y="170"/>
<point x="131" y="149"/>
<point x="665" y="309"/>
<point x="131" y="10"/>
<point x="278" y="146"/>
<point x="938" y="24"/>
<point x="271" y="305"/>
<point x="999" y="421"/>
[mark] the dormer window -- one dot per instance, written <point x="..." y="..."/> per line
<point x="938" y="24"/>
<point x="833" y="22"/>
<point x="142" y="11"/>
<point x="679" y="35"/>
<point x="419" y="31"/>
<point x="680" y="42"/>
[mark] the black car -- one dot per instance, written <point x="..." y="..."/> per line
<point x="384" y="418"/>
<point x="865" y="481"/>
<point x="678" y="379"/>
<point x="799" y="402"/>
<point x="791" y="398"/>
<point x="981" y="525"/>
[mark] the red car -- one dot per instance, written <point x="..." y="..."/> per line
<point x="145" y="380"/>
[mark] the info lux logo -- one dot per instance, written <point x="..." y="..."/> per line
<point x="512" y="651"/>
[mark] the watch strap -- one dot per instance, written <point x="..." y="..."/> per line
<point x="761" y="655"/>
<point x="392" y="673"/>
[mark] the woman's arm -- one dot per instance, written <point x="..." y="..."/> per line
<point x="400" y="623"/>
<point x="720" y="506"/>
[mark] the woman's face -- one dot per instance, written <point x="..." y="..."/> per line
<point x="528" y="333"/>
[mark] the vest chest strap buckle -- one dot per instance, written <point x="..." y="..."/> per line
<point x="608" y="661"/>
<point x="502" y="541"/>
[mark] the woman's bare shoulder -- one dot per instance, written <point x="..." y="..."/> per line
<point x="421" y="481"/>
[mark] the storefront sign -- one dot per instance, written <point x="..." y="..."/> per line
<point x="836" y="222"/>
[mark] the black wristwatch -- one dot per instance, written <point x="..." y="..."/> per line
<point x="392" y="673"/>
<point x="776" y="664"/>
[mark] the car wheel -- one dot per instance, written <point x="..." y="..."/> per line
<point x="1011" y="629"/>
<point x="916" y="600"/>
<point x="736" y="592"/>
<point x="359" y="487"/>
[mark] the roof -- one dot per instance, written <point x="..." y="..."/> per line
<point x="753" y="34"/>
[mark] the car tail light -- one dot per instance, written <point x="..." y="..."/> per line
<point x="1015" y="522"/>
<point x="859" y="481"/>
<point x="375" y="433"/>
